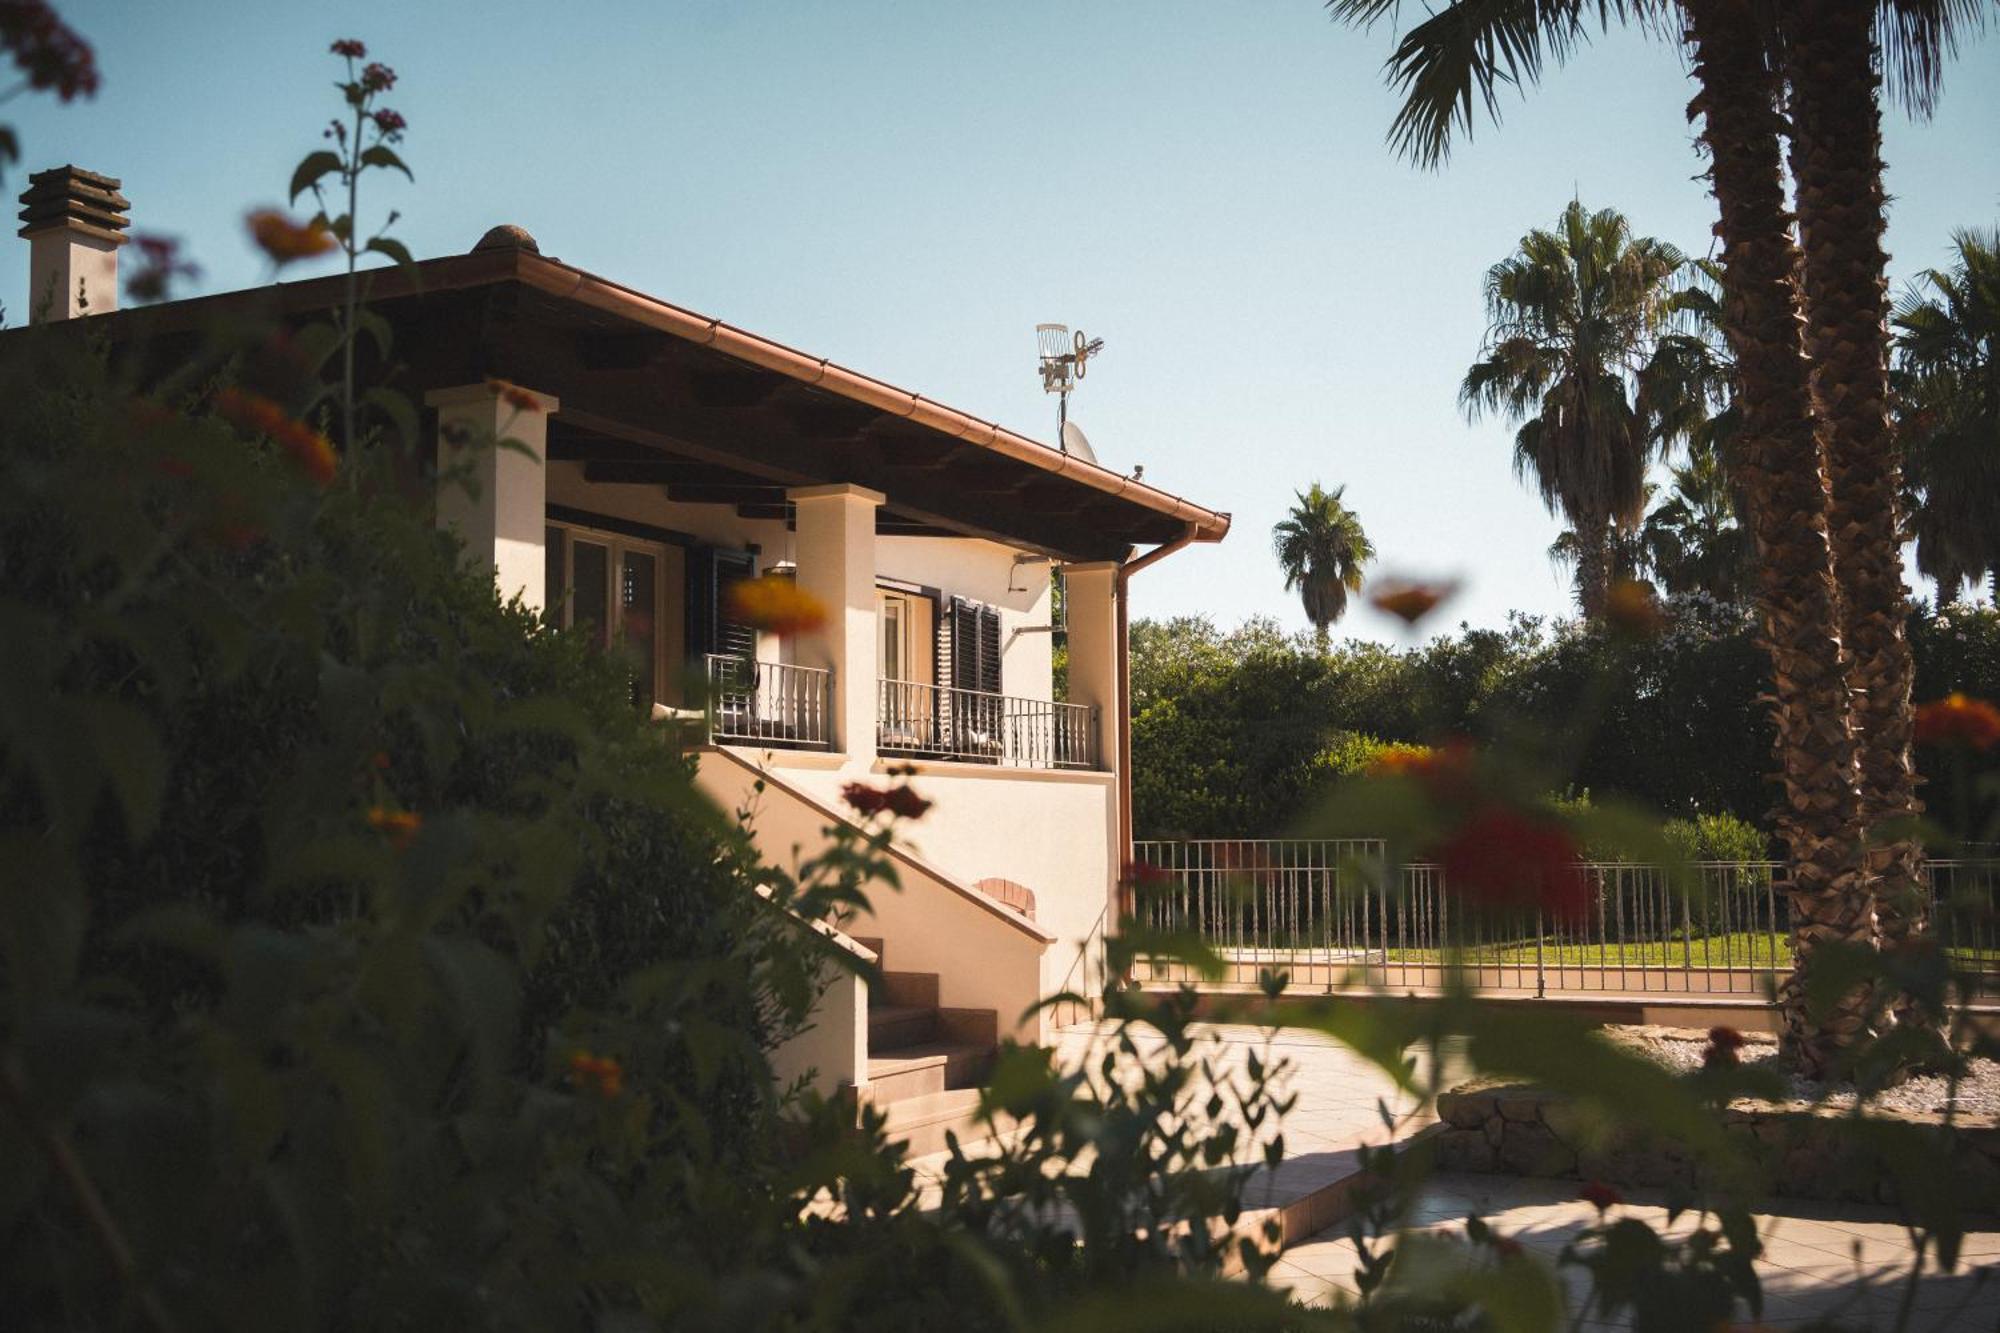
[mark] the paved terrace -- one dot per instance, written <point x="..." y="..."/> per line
<point x="1821" y="1260"/>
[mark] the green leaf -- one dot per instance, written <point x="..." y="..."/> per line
<point x="376" y="327"/>
<point x="396" y="250"/>
<point x="311" y="167"/>
<point x="398" y="408"/>
<point x="135" y="763"/>
<point x="382" y="156"/>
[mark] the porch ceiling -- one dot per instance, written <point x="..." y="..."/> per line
<point x="645" y="402"/>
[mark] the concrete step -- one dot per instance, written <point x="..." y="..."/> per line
<point x="911" y="1071"/>
<point x="894" y="1026"/>
<point x="919" y="989"/>
<point x="922" y="1122"/>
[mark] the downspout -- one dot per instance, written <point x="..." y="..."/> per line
<point x="1124" y="697"/>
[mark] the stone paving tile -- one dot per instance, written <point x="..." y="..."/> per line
<point x="1809" y="1269"/>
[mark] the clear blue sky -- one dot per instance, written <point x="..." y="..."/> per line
<point x="909" y="187"/>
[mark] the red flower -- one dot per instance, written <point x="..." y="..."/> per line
<point x="516" y="397"/>
<point x="1600" y="1195"/>
<point x="1958" y="720"/>
<point x="867" y="800"/>
<point x="350" y="48"/>
<point x="390" y="123"/>
<point x="1146" y="875"/>
<point x="599" y="1073"/>
<point x="906" y="803"/>
<point x="1723" y="1043"/>
<point x="1507" y="1247"/>
<point x="378" y="78"/>
<point x="1503" y="857"/>
<point x="285" y="240"/>
<point x="47" y="50"/>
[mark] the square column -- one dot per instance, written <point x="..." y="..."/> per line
<point x="494" y="498"/>
<point x="1090" y="613"/>
<point x="836" y="566"/>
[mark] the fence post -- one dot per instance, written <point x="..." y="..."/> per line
<point x="1541" y="975"/>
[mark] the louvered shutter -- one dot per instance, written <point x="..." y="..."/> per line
<point x="989" y="649"/>
<point x="733" y="638"/>
<point x="709" y="630"/>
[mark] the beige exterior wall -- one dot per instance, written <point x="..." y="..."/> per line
<point x="1054" y="832"/>
<point x="985" y="956"/>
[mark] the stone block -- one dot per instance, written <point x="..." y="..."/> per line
<point x="1531" y="1150"/>
<point x="1523" y="1107"/>
<point x="1463" y="1150"/>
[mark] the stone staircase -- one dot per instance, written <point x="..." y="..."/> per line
<point x="925" y="1062"/>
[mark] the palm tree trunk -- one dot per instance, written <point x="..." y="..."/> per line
<point x="1593" y="569"/>
<point x="1741" y="127"/>
<point x="1837" y="166"/>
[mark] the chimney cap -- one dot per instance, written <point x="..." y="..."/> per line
<point x="507" y="236"/>
<point x="69" y="196"/>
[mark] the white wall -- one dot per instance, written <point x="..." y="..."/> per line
<point x="1050" y="831"/>
<point x="984" y="956"/>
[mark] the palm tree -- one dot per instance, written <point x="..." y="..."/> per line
<point x="1320" y="547"/>
<point x="1947" y="385"/>
<point x="1573" y="319"/>
<point x="1470" y="46"/>
<point x="1832" y="61"/>
<point x="1692" y="539"/>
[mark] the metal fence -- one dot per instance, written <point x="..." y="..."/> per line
<point x="931" y="721"/>
<point x="768" y="703"/>
<point x="1331" y="914"/>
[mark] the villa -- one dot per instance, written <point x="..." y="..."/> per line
<point x="674" y="455"/>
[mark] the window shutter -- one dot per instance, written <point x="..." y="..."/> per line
<point x="989" y="649"/>
<point x="732" y="637"/>
<point x="709" y="574"/>
<point x="969" y="646"/>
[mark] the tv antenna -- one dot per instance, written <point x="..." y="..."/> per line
<point x="1064" y="356"/>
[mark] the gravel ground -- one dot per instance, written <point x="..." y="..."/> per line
<point x="1978" y="1093"/>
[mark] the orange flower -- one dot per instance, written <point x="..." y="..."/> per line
<point x="775" y="604"/>
<point x="599" y="1073"/>
<point x="257" y="414"/>
<point x="1958" y="720"/>
<point x="516" y="397"/>
<point x="1446" y="770"/>
<point x="1410" y="600"/>
<point x="1631" y="609"/>
<point x="399" y="825"/>
<point x="285" y="240"/>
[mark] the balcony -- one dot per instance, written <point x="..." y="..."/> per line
<point x="936" y="722"/>
<point x="768" y="703"/>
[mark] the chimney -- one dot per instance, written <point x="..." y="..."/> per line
<point x="74" y="221"/>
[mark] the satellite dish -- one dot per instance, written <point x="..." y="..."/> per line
<point x="1073" y="442"/>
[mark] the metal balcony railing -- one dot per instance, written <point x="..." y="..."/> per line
<point x="939" y="722"/>
<point x="768" y="703"/>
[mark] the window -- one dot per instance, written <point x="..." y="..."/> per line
<point x="611" y="588"/>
